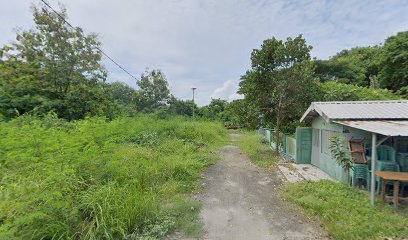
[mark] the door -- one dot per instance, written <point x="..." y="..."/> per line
<point x="316" y="147"/>
<point x="303" y="145"/>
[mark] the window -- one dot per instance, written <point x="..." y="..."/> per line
<point x="326" y="134"/>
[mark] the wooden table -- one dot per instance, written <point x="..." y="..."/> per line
<point x="396" y="177"/>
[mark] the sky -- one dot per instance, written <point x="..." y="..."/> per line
<point x="207" y="43"/>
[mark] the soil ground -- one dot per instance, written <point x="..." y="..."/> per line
<point x="240" y="202"/>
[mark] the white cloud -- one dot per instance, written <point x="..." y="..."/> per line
<point x="197" y="43"/>
<point x="228" y="91"/>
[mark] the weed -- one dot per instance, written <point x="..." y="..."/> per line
<point x="259" y="153"/>
<point x="346" y="212"/>
<point x="100" y="179"/>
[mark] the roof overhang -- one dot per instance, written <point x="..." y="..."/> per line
<point x="386" y="128"/>
<point x="358" y="110"/>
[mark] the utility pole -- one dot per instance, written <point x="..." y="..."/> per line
<point x="193" y="103"/>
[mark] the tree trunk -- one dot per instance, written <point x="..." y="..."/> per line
<point x="277" y="128"/>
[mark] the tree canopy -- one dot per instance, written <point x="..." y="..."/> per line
<point x="334" y="91"/>
<point x="154" y="90"/>
<point x="359" y="66"/>
<point x="375" y="67"/>
<point x="280" y="80"/>
<point x="394" y="62"/>
<point x="53" y="67"/>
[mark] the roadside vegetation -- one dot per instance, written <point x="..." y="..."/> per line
<point x="259" y="153"/>
<point x="129" y="178"/>
<point x="346" y="212"/>
<point x="83" y="157"/>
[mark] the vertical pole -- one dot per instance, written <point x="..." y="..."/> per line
<point x="193" y="104"/>
<point x="373" y="160"/>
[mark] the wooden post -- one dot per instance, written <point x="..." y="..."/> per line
<point x="383" y="189"/>
<point x="396" y="189"/>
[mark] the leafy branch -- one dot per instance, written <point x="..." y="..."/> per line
<point x="340" y="154"/>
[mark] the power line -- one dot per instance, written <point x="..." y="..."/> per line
<point x="103" y="53"/>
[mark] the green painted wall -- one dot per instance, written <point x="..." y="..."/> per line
<point x="326" y="162"/>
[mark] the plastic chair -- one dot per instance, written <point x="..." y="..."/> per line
<point x="359" y="172"/>
<point x="386" y="153"/>
<point x="402" y="159"/>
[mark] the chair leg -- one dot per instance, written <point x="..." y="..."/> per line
<point x="353" y="177"/>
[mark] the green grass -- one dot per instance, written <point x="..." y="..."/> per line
<point x="129" y="178"/>
<point x="260" y="154"/>
<point x="346" y="212"/>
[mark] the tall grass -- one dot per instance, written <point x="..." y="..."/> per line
<point x="346" y="212"/>
<point x="94" y="179"/>
<point x="259" y="153"/>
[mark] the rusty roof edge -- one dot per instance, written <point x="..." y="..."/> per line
<point x="362" y="102"/>
<point x="397" y="124"/>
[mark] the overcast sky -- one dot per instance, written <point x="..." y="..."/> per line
<point x="207" y="44"/>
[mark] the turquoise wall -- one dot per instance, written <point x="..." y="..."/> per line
<point x="326" y="162"/>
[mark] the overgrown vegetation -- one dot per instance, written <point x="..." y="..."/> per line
<point x="280" y="81"/>
<point x="284" y="70"/>
<point x="335" y="91"/>
<point x="373" y="66"/>
<point x="258" y="152"/>
<point x="346" y="212"/>
<point x="99" y="179"/>
<point x="53" y="67"/>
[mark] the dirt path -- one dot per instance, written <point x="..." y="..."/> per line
<point x="239" y="202"/>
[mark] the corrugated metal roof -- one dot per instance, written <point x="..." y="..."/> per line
<point x="359" y="110"/>
<point x="387" y="128"/>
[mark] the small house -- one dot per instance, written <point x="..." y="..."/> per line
<point x="379" y="125"/>
<point x="375" y="133"/>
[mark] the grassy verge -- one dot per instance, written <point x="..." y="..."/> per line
<point x="346" y="212"/>
<point x="259" y="153"/>
<point x="129" y="178"/>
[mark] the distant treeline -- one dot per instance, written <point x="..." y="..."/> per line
<point x="283" y="79"/>
<point x="54" y="68"/>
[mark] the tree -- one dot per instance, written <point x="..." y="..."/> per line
<point x="373" y="66"/>
<point x="214" y="109"/>
<point x="357" y="66"/>
<point x="154" y="91"/>
<point x="55" y="68"/>
<point x="122" y="93"/>
<point x="181" y="107"/>
<point x="280" y="80"/>
<point x="403" y="92"/>
<point x="243" y="113"/>
<point x="334" y="91"/>
<point x="394" y="61"/>
<point x="124" y="97"/>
